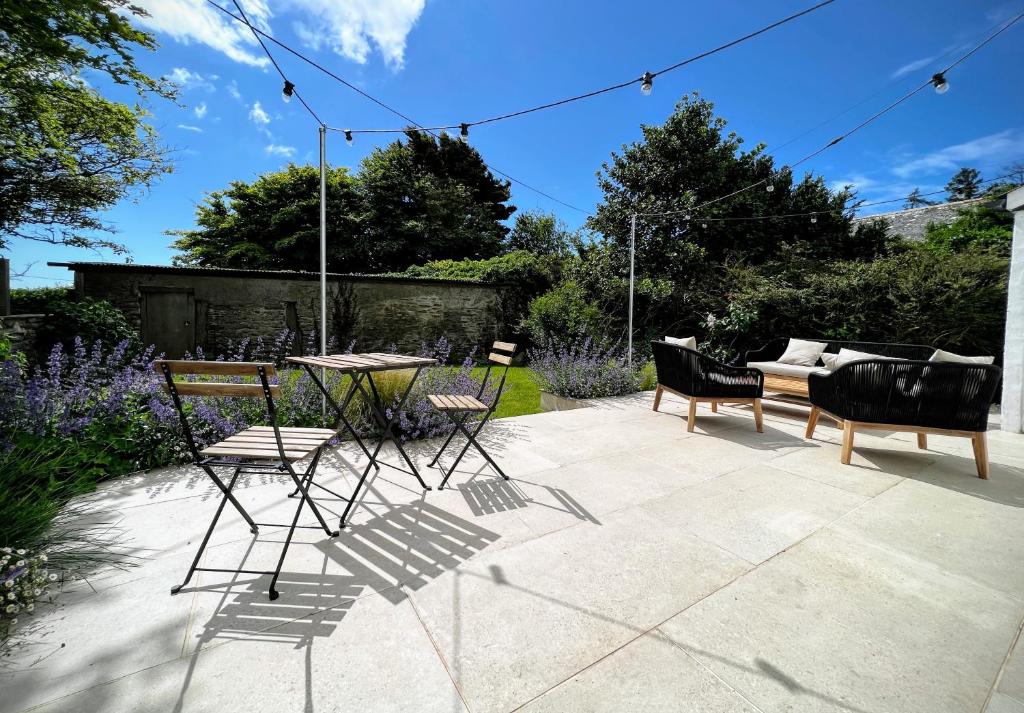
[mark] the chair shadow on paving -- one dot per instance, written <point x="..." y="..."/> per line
<point x="493" y="495"/>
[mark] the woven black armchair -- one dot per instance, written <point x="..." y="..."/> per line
<point x="697" y="377"/>
<point x="921" y="397"/>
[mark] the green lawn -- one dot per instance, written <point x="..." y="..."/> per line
<point x="521" y="395"/>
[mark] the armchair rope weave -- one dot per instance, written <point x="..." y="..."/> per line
<point x="695" y="374"/>
<point x="908" y="393"/>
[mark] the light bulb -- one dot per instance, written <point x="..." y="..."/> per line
<point x="770" y="187"/>
<point x="288" y="90"/>
<point x="940" y="83"/>
<point x="814" y="219"/>
<point x="647" y="84"/>
<point x="464" y="133"/>
<point x="703" y="225"/>
<point x="348" y="137"/>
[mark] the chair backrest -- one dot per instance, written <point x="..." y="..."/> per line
<point x="501" y="353"/>
<point x="170" y="368"/>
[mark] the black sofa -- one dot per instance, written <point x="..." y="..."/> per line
<point x="697" y="377"/>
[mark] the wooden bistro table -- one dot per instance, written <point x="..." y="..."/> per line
<point x="361" y="367"/>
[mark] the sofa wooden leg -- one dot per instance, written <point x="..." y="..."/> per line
<point x="691" y="418"/>
<point x="980" y="443"/>
<point x="922" y="441"/>
<point x="657" y="397"/>
<point x="847" y="442"/>
<point x="812" y="422"/>
<point x="714" y="407"/>
<point x="758" y="416"/>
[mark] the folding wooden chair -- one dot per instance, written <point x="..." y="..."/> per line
<point x="462" y="407"/>
<point x="258" y="449"/>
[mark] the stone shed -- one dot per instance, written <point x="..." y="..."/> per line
<point x="181" y="308"/>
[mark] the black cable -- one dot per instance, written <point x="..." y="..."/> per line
<point x="549" y="105"/>
<point x="378" y="102"/>
<point x="862" y="124"/>
<point x="273" y="61"/>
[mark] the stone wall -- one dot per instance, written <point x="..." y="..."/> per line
<point x="375" y="312"/>
<point x="913" y="222"/>
<point x="22" y="329"/>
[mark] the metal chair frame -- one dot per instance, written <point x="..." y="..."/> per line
<point x="243" y="466"/>
<point x="460" y="418"/>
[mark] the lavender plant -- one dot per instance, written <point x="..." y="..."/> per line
<point x="584" y="370"/>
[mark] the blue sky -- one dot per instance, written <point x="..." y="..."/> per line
<point x="447" y="61"/>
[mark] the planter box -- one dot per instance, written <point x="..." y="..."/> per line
<point x="553" y="402"/>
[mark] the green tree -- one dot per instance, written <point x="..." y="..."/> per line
<point x="965" y="184"/>
<point x="981" y="227"/>
<point x="916" y="200"/>
<point x="68" y="152"/>
<point x="542" y="233"/>
<point x="430" y="198"/>
<point x="273" y="223"/>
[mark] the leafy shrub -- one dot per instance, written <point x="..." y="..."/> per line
<point x="68" y="318"/>
<point x="974" y="228"/>
<point x="564" y="316"/>
<point x="585" y="371"/>
<point x="954" y="301"/>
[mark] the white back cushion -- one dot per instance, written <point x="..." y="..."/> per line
<point x="688" y="342"/>
<point x="940" y="355"/>
<point x="802" y="352"/>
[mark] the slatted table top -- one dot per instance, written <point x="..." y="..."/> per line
<point x="363" y="362"/>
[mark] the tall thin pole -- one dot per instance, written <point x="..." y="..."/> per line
<point x="632" y="254"/>
<point x="323" y="255"/>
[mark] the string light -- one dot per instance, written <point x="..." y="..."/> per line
<point x="464" y="133"/>
<point x="940" y="83"/>
<point x="348" y="137"/>
<point x="814" y="217"/>
<point x="647" y="84"/>
<point x="287" y="92"/>
<point x="770" y="187"/>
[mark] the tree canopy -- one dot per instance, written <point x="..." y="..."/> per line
<point x="965" y="184"/>
<point x="413" y="201"/>
<point x="68" y="152"/>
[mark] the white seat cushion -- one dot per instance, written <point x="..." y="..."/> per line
<point x="774" y="367"/>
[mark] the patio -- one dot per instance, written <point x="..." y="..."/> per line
<point x="628" y="565"/>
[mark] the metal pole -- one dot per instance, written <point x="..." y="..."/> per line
<point x="632" y="253"/>
<point x="323" y="255"/>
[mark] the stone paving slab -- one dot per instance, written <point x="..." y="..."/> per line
<point x="628" y="565"/>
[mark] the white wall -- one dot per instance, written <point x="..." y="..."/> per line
<point x="1013" y="356"/>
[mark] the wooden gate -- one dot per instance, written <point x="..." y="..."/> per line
<point x="169" y="320"/>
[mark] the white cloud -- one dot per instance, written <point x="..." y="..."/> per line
<point x="186" y="127"/>
<point x="189" y="21"/>
<point x="258" y="115"/>
<point x="200" y="110"/>
<point x="912" y="66"/>
<point x="233" y="90"/>
<point x="278" y="150"/>
<point x="1003" y="146"/>
<point x="856" y="182"/>
<point x="349" y="26"/>
<point x="187" y="79"/>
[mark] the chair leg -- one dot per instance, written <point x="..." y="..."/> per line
<point x="714" y="407"/>
<point x="980" y="443"/>
<point x="471" y="440"/>
<point x="812" y="422"/>
<point x="758" y="416"/>
<point x="657" y="397"/>
<point x="922" y="441"/>
<point x="213" y="524"/>
<point x="691" y="418"/>
<point x="847" y="442"/>
<point x="444" y="447"/>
